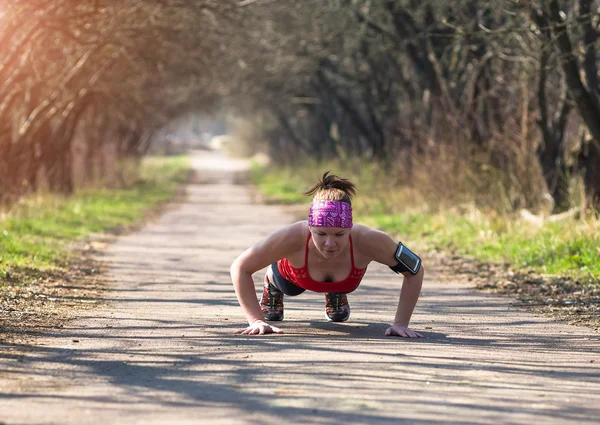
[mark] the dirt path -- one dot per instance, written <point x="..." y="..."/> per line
<point x="161" y="350"/>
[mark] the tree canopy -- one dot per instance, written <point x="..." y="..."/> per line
<point x="507" y="84"/>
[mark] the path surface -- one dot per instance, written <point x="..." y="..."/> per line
<point x="162" y="350"/>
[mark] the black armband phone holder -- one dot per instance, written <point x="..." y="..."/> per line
<point x="408" y="261"/>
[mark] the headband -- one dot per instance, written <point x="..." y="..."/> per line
<point x="330" y="214"/>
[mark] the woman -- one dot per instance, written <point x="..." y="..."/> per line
<point x="325" y="253"/>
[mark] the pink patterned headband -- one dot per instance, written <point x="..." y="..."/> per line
<point x="330" y="214"/>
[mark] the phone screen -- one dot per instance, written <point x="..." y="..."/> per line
<point x="408" y="258"/>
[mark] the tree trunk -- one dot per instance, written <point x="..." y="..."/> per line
<point x="551" y="152"/>
<point x="586" y="101"/>
<point x="589" y="160"/>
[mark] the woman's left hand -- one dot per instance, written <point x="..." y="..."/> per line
<point x="403" y="331"/>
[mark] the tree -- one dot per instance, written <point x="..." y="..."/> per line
<point x="130" y="65"/>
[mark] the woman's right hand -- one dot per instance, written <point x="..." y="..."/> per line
<point x="259" y="327"/>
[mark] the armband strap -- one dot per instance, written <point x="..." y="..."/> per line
<point x="399" y="268"/>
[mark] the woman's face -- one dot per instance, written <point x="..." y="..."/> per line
<point x="330" y="241"/>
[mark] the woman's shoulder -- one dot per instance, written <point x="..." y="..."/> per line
<point x="299" y="227"/>
<point x="360" y="231"/>
<point x="295" y="233"/>
<point x="373" y="245"/>
<point x="366" y="238"/>
<point x="282" y="242"/>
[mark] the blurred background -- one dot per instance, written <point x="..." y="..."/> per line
<point x="485" y="101"/>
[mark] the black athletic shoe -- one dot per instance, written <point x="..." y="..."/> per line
<point x="271" y="302"/>
<point x="336" y="307"/>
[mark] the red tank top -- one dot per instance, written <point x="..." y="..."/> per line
<point x="300" y="276"/>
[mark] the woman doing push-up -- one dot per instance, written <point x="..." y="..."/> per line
<point x="325" y="253"/>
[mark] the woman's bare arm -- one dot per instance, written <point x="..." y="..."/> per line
<point x="277" y="245"/>
<point x="380" y="247"/>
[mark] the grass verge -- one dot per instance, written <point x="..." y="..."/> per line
<point x="45" y="241"/>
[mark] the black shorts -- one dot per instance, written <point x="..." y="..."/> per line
<point x="284" y="285"/>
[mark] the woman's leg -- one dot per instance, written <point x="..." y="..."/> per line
<point x="276" y="279"/>
<point x="274" y="287"/>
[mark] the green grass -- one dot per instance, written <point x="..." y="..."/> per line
<point x="35" y="234"/>
<point x="570" y="248"/>
<point x="567" y="248"/>
<point x="281" y="187"/>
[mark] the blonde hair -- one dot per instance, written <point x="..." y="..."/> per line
<point x="332" y="188"/>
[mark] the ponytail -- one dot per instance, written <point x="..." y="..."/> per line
<point x="332" y="188"/>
